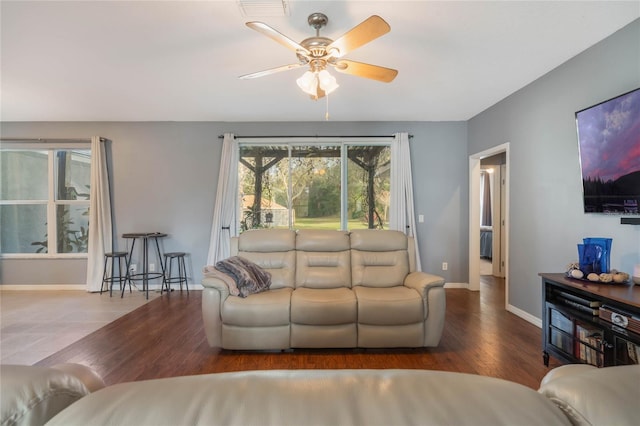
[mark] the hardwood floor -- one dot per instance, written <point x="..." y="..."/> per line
<point x="165" y="338"/>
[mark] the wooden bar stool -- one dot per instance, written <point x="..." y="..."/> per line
<point x="182" y="271"/>
<point x="110" y="279"/>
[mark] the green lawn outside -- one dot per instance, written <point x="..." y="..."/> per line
<point x="328" y="222"/>
<point x="331" y="222"/>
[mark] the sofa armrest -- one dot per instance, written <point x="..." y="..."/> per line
<point x="86" y="375"/>
<point x="31" y="395"/>
<point x="215" y="292"/>
<point x="423" y="282"/>
<point x="216" y="284"/>
<point x="595" y="396"/>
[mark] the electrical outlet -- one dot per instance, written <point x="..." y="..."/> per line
<point x="152" y="267"/>
<point x="133" y="268"/>
<point x="445" y="266"/>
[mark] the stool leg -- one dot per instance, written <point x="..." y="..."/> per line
<point x="170" y="275"/>
<point x="165" y="277"/>
<point x="127" y="277"/>
<point x="183" y="274"/>
<point x="112" y="279"/>
<point x="104" y="275"/>
<point x="120" y="276"/>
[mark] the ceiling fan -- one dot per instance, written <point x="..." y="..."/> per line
<point x="319" y="53"/>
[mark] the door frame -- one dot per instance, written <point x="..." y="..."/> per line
<point x="474" y="216"/>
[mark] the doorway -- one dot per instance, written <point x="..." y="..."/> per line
<point x="492" y="196"/>
<point x="500" y="243"/>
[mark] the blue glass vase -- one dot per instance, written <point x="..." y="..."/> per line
<point x="590" y="258"/>
<point x="595" y="256"/>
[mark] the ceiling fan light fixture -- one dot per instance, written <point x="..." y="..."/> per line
<point x="311" y="81"/>
<point x="328" y="82"/>
<point x="308" y="83"/>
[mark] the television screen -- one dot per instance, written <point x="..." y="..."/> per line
<point x="609" y="145"/>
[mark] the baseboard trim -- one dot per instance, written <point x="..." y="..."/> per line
<point x="76" y="287"/>
<point x="525" y="316"/>
<point x="47" y="287"/>
<point x="456" y="285"/>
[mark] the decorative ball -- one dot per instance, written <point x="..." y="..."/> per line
<point x="606" y="278"/>
<point x="620" y="277"/>
<point x="593" y="277"/>
<point x="577" y="273"/>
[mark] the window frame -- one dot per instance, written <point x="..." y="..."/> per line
<point x="52" y="202"/>
<point x="343" y="142"/>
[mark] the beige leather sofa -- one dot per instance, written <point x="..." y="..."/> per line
<point x="569" y="395"/>
<point x="330" y="289"/>
<point x="31" y="395"/>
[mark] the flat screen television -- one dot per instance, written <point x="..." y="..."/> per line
<point x="609" y="146"/>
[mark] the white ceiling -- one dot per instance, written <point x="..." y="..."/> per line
<point x="180" y="60"/>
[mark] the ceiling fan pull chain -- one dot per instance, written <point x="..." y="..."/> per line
<point x="326" y="114"/>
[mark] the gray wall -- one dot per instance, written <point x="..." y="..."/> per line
<point x="165" y="176"/>
<point x="547" y="220"/>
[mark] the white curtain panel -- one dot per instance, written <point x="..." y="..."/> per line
<point x="100" y="226"/>
<point x="225" y="223"/>
<point x="402" y="214"/>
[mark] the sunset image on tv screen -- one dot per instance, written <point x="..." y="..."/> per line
<point x="609" y="144"/>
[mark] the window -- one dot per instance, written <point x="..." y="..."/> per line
<point x="44" y="200"/>
<point x="333" y="185"/>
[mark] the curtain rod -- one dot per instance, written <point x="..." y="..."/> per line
<point x="316" y="136"/>
<point x="49" y="139"/>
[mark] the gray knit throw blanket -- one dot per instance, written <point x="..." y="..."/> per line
<point x="249" y="277"/>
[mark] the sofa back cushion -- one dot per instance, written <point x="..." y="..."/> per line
<point x="323" y="259"/>
<point x="271" y="249"/>
<point x="378" y="258"/>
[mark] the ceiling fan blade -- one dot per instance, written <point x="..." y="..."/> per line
<point x="271" y="71"/>
<point x="265" y="29"/>
<point x="360" y="69"/>
<point x="368" y="30"/>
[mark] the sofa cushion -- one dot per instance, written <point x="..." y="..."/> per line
<point x="267" y="240"/>
<point x="271" y="249"/>
<point x="322" y="240"/>
<point x="323" y="269"/>
<point x="391" y="336"/>
<point x="389" y="306"/>
<point x="323" y="306"/>
<point x="377" y="240"/>
<point x="266" y="309"/>
<point x="316" y="397"/>
<point x="323" y="259"/>
<point x="256" y="338"/>
<point x="379" y="269"/>
<point x="281" y="266"/>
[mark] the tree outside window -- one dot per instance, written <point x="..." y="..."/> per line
<point x="301" y="186"/>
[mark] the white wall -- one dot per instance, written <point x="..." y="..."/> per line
<point x="546" y="210"/>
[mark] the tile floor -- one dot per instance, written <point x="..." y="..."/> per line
<point x="36" y="324"/>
